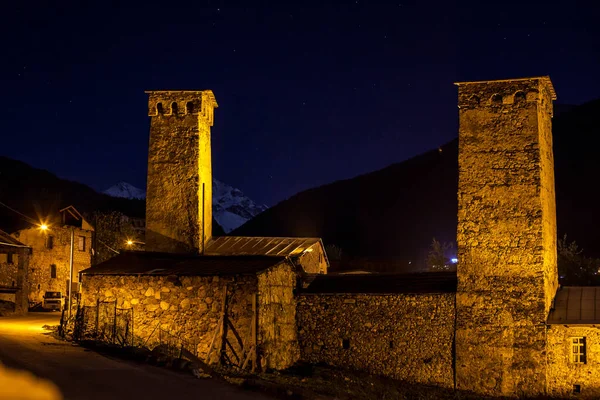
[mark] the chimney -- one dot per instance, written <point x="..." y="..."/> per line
<point x="179" y="188"/>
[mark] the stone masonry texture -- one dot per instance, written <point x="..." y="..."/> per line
<point x="42" y="257"/>
<point x="277" y="331"/>
<point x="562" y="373"/>
<point x="403" y="336"/>
<point x="186" y="307"/>
<point x="189" y="308"/>
<point x="506" y="236"/>
<point x="179" y="188"/>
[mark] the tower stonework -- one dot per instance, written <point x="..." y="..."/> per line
<point x="507" y="274"/>
<point x="179" y="188"/>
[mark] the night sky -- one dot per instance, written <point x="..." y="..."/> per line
<point x="308" y="93"/>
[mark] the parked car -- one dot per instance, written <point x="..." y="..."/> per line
<point x="53" y="301"/>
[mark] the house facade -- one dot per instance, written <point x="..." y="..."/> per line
<point x="50" y="261"/>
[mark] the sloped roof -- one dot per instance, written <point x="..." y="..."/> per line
<point x="576" y="305"/>
<point x="151" y="263"/>
<point x="263" y="246"/>
<point x="7" y="240"/>
<point x="425" y="282"/>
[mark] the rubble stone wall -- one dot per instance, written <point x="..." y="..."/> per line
<point x="8" y="271"/>
<point x="185" y="307"/>
<point x="506" y="236"/>
<point x="178" y="209"/>
<point x="402" y="336"/>
<point x="563" y="374"/>
<point x="42" y="257"/>
<point x="278" y="332"/>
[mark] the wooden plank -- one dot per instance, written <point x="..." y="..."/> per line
<point x="218" y="331"/>
<point x="248" y="355"/>
<point x="237" y="358"/>
<point x="235" y="333"/>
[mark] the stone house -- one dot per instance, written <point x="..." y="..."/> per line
<point x="189" y="283"/>
<point x="500" y="325"/>
<point x="14" y="262"/>
<point x="49" y="264"/>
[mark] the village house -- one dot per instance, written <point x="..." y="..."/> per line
<point x="67" y="238"/>
<point x="500" y="325"/>
<point x="14" y="262"/>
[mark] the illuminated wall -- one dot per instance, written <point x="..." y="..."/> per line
<point x="42" y="258"/>
<point x="179" y="189"/>
<point x="563" y="373"/>
<point x="402" y="336"/>
<point x="506" y="236"/>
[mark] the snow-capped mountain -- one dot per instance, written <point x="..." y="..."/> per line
<point x="231" y="208"/>
<point x="124" y="189"/>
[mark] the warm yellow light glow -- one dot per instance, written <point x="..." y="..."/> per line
<point x="129" y="242"/>
<point x="43" y="227"/>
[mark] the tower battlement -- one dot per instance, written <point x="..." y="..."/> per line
<point x="179" y="188"/>
<point x="182" y="102"/>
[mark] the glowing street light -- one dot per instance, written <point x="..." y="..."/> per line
<point x="129" y="242"/>
<point x="43" y="227"/>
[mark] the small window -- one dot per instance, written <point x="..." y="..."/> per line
<point x="49" y="242"/>
<point x="9" y="258"/>
<point x="346" y="344"/>
<point x="39" y="286"/>
<point x="391" y="344"/>
<point x="520" y="97"/>
<point x="189" y="107"/>
<point x="578" y="350"/>
<point x="81" y="243"/>
<point x="497" y="99"/>
<point x="576" y="388"/>
<point x="159" y="108"/>
<point x="174" y="109"/>
<point x="53" y="271"/>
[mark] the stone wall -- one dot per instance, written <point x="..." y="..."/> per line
<point x="506" y="236"/>
<point x="8" y="271"/>
<point x="564" y="374"/>
<point x="314" y="261"/>
<point x="42" y="258"/>
<point x="277" y="317"/>
<point x="402" y="336"/>
<point x="187" y="307"/>
<point x="178" y="209"/>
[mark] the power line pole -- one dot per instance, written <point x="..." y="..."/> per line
<point x="71" y="270"/>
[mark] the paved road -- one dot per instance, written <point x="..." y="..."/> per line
<point x="84" y="374"/>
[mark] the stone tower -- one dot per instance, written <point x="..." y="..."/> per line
<point x="507" y="274"/>
<point x="179" y="189"/>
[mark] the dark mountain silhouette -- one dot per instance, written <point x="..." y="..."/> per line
<point x="39" y="195"/>
<point x="394" y="213"/>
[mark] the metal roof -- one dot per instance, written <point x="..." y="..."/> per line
<point x="578" y="305"/>
<point x="425" y="282"/>
<point x="258" y="246"/>
<point x="7" y="240"/>
<point x="151" y="263"/>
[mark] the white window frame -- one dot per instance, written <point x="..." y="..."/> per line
<point x="578" y="350"/>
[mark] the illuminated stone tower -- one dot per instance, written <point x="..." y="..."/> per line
<point x="179" y="190"/>
<point x="507" y="275"/>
